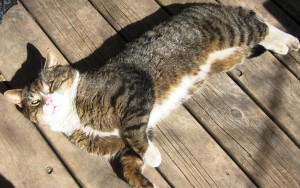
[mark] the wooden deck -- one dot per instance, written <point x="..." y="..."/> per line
<point x="241" y="130"/>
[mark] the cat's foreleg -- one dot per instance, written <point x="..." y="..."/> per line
<point x="279" y="41"/>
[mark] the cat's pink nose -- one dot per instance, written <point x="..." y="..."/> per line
<point x="48" y="101"/>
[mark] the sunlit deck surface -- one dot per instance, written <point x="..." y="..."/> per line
<point x="241" y="130"/>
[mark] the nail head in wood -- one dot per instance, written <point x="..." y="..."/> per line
<point x="49" y="169"/>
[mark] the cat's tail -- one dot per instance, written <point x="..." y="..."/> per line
<point x="128" y="165"/>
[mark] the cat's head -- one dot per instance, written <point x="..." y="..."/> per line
<point x="45" y="95"/>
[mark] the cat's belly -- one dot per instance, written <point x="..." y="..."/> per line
<point x="181" y="91"/>
<point x="177" y="96"/>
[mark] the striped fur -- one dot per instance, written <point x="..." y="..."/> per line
<point x="117" y="105"/>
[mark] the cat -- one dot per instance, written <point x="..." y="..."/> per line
<point x="112" y="110"/>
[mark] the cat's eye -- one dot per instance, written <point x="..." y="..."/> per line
<point x="35" y="102"/>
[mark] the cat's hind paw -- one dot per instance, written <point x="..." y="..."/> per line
<point x="152" y="156"/>
<point x="279" y="41"/>
<point x="293" y="44"/>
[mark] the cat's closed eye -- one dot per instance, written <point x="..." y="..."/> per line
<point x="51" y="84"/>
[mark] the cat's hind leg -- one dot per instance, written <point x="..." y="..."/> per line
<point x="135" y="132"/>
<point x="279" y="41"/>
<point x="129" y="166"/>
<point x="136" y="136"/>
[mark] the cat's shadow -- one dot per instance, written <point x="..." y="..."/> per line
<point x="28" y="71"/>
<point x="5" y="182"/>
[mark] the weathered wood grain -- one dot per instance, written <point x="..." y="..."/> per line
<point x="259" y="147"/>
<point x="191" y="158"/>
<point x="129" y="17"/>
<point x="275" y="88"/>
<point x="175" y="9"/>
<point x="77" y="29"/>
<point x="291" y="62"/>
<point x="24" y="155"/>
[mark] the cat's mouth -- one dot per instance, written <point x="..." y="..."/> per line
<point x="49" y="106"/>
<point x="50" y="109"/>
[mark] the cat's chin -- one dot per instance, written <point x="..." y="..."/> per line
<point x="50" y="109"/>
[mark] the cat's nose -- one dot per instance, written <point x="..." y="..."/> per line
<point x="48" y="101"/>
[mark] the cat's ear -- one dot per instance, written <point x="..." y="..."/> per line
<point x="51" y="60"/>
<point x="14" y="96"/>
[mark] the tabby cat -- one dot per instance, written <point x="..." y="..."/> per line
<point x="111" y="111"/>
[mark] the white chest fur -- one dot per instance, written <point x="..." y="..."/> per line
<point x="180" y="93"/>
<point x="64" y="117"/>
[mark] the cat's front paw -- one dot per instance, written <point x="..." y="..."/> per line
<point x="152" y="156"/>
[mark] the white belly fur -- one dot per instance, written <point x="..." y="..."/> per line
<point x="181" y="94"/>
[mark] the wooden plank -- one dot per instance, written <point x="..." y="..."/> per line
<point x="275" y="88"/>
<point x="287" y="115"/>
<point x="77" y="29"/>
<point x="19" y="29"/>
<point x="24" y="154"/>
<point x="191" y="158"/>
<point x="129" y="17"/>
<point x="178" y="176"/>
<point x="259" y="147"/>
<point x="175" y="6"/>
<point x="291" y="62"/>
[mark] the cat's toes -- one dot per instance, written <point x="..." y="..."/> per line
<point x="281" y="48"/>
<point x="293" y="44"/>
<point x="275" y="45"/>
<point x="152" y="157"/>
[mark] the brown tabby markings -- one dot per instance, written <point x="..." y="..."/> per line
<point x="110" y="111"/>
<point x="105" y="146"/>
<point x="229" y="62"/>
